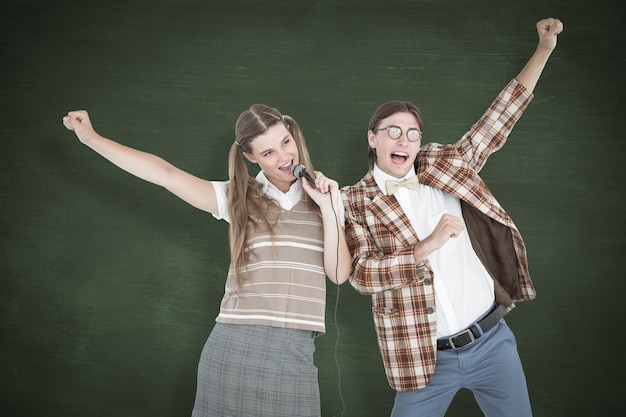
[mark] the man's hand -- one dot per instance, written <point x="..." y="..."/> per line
<point x="449" y="227"/>
<point x="548" y="30"/>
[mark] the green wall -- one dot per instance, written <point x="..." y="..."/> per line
<point x="109" y="286"/>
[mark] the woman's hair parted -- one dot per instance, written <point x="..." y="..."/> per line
<point x="247" y="205"/>
<point x="385" y="110"/>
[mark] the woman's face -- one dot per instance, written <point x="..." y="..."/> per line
<point x="395" y="156"/>
<point x="276" y="153"/>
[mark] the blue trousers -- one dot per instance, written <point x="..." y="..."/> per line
<point x="490" y="368"/>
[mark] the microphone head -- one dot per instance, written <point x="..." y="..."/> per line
<point x="298" y="170"/>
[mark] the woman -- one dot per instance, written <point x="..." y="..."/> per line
<point x="258" y="359"/>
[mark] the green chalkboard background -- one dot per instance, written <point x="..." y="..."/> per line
<point x="109" y="285"/>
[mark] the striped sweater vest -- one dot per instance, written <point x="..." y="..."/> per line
<point x="284" y="284"/>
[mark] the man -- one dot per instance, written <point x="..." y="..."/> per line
<point x="442" y="261"/>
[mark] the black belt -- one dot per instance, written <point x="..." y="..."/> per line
<point x="469" y="335"/>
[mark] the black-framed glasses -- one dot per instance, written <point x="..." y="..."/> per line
<point x="395" y="132"/>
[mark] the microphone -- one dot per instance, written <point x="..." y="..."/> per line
<point x="299" y="171"/>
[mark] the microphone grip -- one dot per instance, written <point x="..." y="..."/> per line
<point x="306" y="175"/>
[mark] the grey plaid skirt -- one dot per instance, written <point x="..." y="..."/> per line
<point x="257" y="371"/>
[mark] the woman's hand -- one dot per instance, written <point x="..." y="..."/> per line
<point x="337" y="259"/>
<point x="324" y="190"/>
<point x="78" y="121"/>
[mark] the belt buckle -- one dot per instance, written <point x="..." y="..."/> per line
<point x="469" y="333"/>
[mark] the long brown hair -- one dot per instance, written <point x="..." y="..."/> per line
<point x="247" y="205"/>
<point x="385" y="110"/>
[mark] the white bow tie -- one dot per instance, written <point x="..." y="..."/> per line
<point x="411" y="183"/>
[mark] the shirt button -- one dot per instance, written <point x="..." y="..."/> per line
<point x="430" y="310"/>
<point x="428" y="281"/>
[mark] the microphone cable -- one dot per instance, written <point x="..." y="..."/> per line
<point x="299" y="171"/>
<point x="343" y="404"/>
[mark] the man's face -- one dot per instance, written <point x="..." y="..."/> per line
<point x="395" y="156"/>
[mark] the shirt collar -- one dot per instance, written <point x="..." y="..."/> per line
<point x="286" y="200"/>
<point x="380" y="177"/>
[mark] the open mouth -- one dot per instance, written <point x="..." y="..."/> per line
<point x="399" y="157"/>
<point x="287" y="167"/>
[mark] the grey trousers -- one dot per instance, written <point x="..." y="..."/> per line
<point x="490" y="368"/>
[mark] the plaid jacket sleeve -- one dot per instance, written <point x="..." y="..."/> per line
<point x="380" y="239"/>
<point x="491" y="131"/>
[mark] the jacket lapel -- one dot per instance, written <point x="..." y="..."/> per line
<point x="388" y="212"/>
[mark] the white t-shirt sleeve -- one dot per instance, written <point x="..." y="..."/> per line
<point x="222" y="201"/>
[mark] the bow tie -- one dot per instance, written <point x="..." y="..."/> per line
<point x="411" y="183"/>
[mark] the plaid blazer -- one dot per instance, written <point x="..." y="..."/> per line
<point x="381" y="240"/>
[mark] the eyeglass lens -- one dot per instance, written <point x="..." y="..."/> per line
<point x="395" y="132"/>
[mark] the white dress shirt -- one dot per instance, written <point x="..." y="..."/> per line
<point x="463" y="287"/>
<point x="286" y="200"/>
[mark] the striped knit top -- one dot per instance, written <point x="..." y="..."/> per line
<point x="284" y="284"/>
